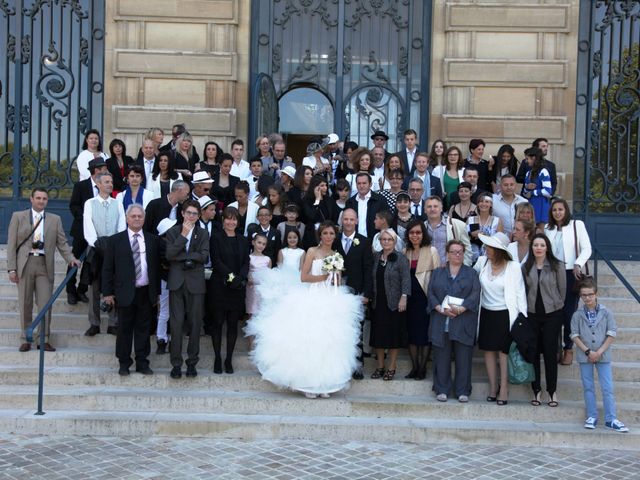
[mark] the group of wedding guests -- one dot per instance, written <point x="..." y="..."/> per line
<point x="440" y="247"/>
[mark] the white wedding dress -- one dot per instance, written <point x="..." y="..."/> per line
<point x="306" y="334"/>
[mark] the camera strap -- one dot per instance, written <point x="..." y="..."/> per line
<point x="30" y="235"/>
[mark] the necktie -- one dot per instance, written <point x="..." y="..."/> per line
<point x="415" y="210"/>
<point x="36" y="236"/>
<point x="135" y="249"/>
<point x="347" y="244"/>
<point x="105" y="203"/>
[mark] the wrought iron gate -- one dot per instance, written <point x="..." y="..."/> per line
<point x="370" y="58"/>
<point x="51" y="84"/>
<point x="607" y="166"/>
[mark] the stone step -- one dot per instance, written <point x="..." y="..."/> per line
<point x="396" y="429"/>
<point x="342" y="404"/>
<point x="243" y="381"/>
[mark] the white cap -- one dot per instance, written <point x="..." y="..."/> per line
<point x="332" y="138"/>
<point x="201" y="177"/>
<point x="205" y="201"/>
<point x="289" y="170"/>
<point x="165" y="224"/>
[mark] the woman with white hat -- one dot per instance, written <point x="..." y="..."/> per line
<point x="503" y="297"/>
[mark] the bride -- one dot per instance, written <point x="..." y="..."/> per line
<point x="306" y="334"/>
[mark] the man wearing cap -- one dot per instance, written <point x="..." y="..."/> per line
<point x="162" y="333"/>
<point x="167" y="206"/>
<point x="280" y="161"/>
<point x="202" y="183"/>
<point x="380" y="139"/>
<point x="82" y="191"/>
<point x="32" y="239"/>
<point x="103" y="216"/>
<point x="131" y="284"/>
<point x="287" y="174"/>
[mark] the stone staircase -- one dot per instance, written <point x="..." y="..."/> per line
<point x="84" y="395"/>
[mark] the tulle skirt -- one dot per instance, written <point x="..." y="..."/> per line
<point x="305" y="335"/>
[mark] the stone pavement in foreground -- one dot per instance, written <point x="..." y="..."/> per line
<point x="26" y="456"/>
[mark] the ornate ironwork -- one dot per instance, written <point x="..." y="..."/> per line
<point x="332" y="60"/>
<point x="11" y="118"/>
<point x="75" y="5"/>
<point x="304" y="8"/>
<point x="372" y="72"/>
<point x="84" y="51"/>
<point x="376" y="9"/>
<point x="11" y="48"/>
<point x="346" y="60"/>
<point x="26" y="49"/>
<point x="276" y="58"/>
<point x="403" y="61"/>
<point x="7" y="11"/>
<point x="306" y="71"/>
<point x="55" y="86"/>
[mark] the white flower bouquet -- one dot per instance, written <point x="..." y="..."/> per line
<point x="333" y="263"/>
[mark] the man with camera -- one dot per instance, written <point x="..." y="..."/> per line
<point x="31" y="243"/>
<point x="131" y="283"/>
<point x="187" y="252"/>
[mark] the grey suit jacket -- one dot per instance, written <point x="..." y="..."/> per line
<point x="54" y="237"/>
<point x="176" y="254"/>
<point x="397" y="279"/>
<point x="553" y="286"/>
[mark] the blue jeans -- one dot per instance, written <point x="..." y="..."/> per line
<point x="605" y="377"/>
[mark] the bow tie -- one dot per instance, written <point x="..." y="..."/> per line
<point x="255" y="179"/>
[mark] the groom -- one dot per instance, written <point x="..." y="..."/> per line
<point x="358" y="266"/>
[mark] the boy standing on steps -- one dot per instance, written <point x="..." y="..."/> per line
<point x="593" y="329"/>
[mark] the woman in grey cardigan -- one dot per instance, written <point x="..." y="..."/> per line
<point x="453" y="323"/>
<point x="391" y="287"/>
<point x="546" y="283"/>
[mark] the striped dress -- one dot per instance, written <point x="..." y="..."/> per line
<point x="540" y="195"/>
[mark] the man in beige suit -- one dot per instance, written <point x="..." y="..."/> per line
<point x="32" y="240"/>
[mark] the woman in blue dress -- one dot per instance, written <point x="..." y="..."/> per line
<point x="537" y="186"/>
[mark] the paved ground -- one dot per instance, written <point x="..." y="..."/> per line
<point x="175" y="458"/>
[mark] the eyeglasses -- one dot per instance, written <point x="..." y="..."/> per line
<point x="456" y="252"/>
<point x="192" y="213"/>
<point x="387" y="239"/>
<point x="587" y="295"/>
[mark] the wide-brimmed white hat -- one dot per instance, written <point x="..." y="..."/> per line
<point x="205" y="201"/>
<point x="289" y="171"/>
<point x="165" y="224"/>
<point x="201" y="177"/>
<point x="498" y="240"/>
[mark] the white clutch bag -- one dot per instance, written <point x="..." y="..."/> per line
<point x="450" y="301"/>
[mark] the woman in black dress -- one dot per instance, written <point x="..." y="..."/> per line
<point x="118" y="164"/>
<point x="423" y="259"/>
<point x="211" y="156"/>
<point x="224" y="183"/>
<point x="276" y="201"/>
<point x="391" y="287"/>
<point x="230" y="259"/>
<point x="317" y="207"/>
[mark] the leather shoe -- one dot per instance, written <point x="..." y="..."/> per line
<point x="567" y="357"/>
<point x="92" y="331"/>
<point x="162" y="347"/>
<point x="228" y="367"/>
<point x="48" y="347"/>
<point x="144" y="370"/>
<point x="82" y="297"/>
<point x="176" y="372"/>
<point x="358" y="375"/>
<point x="191" y="371"/>
<point x="112" y="330"/>
<point x="25" y="347"/>
<point x="72" y="299"/>
<point x="124" y="371"/>
<point x="217" y="365"/>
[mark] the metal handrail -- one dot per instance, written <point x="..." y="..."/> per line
<point x="38" y="321"/>
<point x="613" y="268"/>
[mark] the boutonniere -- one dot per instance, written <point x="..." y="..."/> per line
<point x="356" y="241"/>
<point x="230" y="277"/>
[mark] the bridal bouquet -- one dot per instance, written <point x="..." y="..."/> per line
<point x="333" y="263"/>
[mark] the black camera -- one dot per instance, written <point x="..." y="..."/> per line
<point x="39" y="245"/>
<point x="105" y="307"/>
<point x="188" y="264"/>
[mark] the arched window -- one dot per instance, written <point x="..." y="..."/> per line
<point x="305" y="111"/>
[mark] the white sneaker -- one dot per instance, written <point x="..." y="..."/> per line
<point x="310" y="395"/>
<point x="590" y="423"/>
<point x="616" y="425"/>
<point x="441" y="397"/>
<point x="463" y="399"/>
<point x="324" y="395"/>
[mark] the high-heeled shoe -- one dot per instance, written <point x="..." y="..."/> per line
<point x="493" y="399"/>
<point x="228" y="368"/>
<point x="553" y="400"/>
<point x="536" y="402"/>
<point x="217" y="365"/>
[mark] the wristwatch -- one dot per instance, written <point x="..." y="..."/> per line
<point x="587" y="352"/>
<point x="11" y="271"/>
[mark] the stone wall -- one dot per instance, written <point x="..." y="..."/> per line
<point x="506" y="72"/>
<point x="177" y="61"/>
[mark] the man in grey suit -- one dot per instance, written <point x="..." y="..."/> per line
<point x="187" y="252"/>
<point x="31" y="244"/>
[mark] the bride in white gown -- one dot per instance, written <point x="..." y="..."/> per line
<point x="306" y="334"/>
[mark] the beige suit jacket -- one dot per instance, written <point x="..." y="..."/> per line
<point x="54" y="237"/>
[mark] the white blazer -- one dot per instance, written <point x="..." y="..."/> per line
<point x="154" y="185"/>
<point x="569" y="244"/>
<point x="252" y="214"/>
<point x="438" y="172"/>
<point x="147" y="196"/>
<point x="515" y="295"/>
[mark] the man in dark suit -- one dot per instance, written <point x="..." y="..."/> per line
<point x="176" y="131"/>
<point x="416" y="194"/>
<point x="273" y="236"/>
<point x="542" y="144"/>
<point x="358" y="267"/>
<point x="366" y="203"/>
<point x="380" y="139"/>
<point x="131" y="282"/>
<point x="82" y="191"/>
<point x="166" y="207"/>
<point x="187" y="252"/>
<point x="408" y="153"/>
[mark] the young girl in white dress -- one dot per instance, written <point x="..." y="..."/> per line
<point x="257" y="261"/>
<point x="306" y="333"/>
<point x="291" y="257"/>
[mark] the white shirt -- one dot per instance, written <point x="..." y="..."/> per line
<point x="148" y="166"/>
<point x="506" y="211"/>
<point x="240" y="170"/>
<point x="362" y="212"/>
<point x="492" y="296"/>
<point x="144" y="276"/>
<point x="38" y="233"/>
<point x="411" y="154"/>
<point x="90" y="234"/>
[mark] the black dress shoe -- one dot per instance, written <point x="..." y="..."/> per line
<point x="162" y="347"/>
<point x="191" y="371"/>
<point x="144" y="370"/>
<point x="358" y="375"/>
<point x="92" y="331"/>
<point x="228" y="368"/>
<point x="217" y="365"/>
<point x="176" y="372"/>
<point x="124" y="371"/>
<point x="112" y="330"/>
<point x="82" y="297"/>
<point x="72" y="299"/>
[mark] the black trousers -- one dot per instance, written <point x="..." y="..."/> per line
<point x="570" y="306"/>
<point x="133" y="326"/>
<point x="548" y="328"/>
<point x="78" y="246"/>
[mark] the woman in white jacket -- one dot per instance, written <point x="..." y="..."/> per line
<point x="503" y="297"/>
<point x="163" y="175"/>
<point x="570" y="244"/>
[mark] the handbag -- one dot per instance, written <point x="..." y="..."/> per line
<point x="520" y="371"/>
<point x="576" y="285"/>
